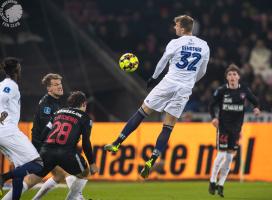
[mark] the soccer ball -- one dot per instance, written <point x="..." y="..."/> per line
<point x="128" y="62"/>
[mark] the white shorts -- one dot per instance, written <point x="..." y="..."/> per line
<point x="169" y="97"/>
<point x="17" y="148"/>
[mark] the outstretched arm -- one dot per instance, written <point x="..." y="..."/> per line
<point x="161" y="65"/>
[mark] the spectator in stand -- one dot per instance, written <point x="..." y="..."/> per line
<point x="260" y="59"/>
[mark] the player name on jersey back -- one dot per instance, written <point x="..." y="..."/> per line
<point x="67" y="111"/>
<point x="191" y="48"/>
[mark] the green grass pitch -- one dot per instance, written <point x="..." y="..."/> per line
<point x="182" y="190"/>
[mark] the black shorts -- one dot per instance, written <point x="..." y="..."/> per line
<point x="227" y="140"/>
<point x="69" y="160"/>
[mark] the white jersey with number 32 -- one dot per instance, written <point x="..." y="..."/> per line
<point x="188" y="57"/>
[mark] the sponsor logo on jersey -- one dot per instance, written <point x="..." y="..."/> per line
<point x="6" y="90"/>
<point x="223" y="145"/>
<point x="47" y="110"/>
<point x="233" y="107"/>
<point x="227" y="100"/>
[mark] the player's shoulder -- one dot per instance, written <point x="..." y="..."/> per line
<point x="202" y="42"/>
<point x="221" y="89"/>
<point x="244" y="87"/>
<point x="172" y="43"/>
<point x="8" y="85"/>
<point x="44" y="100"/>
<point x="9" y="82"/>
<point x="88" y="118"/>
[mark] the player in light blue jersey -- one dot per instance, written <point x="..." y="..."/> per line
<point x="188" y="57"/>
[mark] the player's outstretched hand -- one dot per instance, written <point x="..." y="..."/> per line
<point x="151" y="82"/>
<point x="256" y="112"/>
<point x="215" y="122"/>
<point x="93" y="169"/>
<point x="3" y="116"/>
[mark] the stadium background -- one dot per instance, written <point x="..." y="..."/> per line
<point x="83" y="40"/>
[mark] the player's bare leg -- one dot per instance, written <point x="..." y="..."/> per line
<point x="131" y="125"/>
<point x="162" y="140"/>
<point x="58" y="175"/>
<point x="29" y="182"/>
<point x="32" y="180"/>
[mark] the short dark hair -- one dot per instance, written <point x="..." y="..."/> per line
<point x="76" y="99"/>
<point x="10" y="65"/>
<point x="233" y="67"/>
<point x="46" y="80"/>
<point x="185" y="22"/>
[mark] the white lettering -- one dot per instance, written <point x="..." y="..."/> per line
<point x="70" y="112"/>
<point x="233" y="107"/>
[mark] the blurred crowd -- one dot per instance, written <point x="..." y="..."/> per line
<point x="237" y="32"/>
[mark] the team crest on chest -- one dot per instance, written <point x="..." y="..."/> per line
<point x="242" y="95"/>
<point x="47" y="110"/>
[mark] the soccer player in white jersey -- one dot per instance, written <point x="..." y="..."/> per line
<point x="13" y="143"/>
<point x="188" y="57"/>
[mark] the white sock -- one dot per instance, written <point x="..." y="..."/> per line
<point x="82" y="182"/>
<point x="76" y="188"/>
<point x="69" y="180"/>
<point x="8" y="196"/>
<point x="48" y="185"/>
<point x="218" y="162"/>
<point x="225" y="169"/>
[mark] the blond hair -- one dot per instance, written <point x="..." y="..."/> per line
<point x="185" y="22"/>
<point x="46" y="80"/>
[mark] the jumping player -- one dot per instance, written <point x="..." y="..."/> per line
<point x="188" y="57"/>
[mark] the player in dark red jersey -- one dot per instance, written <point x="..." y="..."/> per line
<point x="230" y="98"/>
<point x="62" y="134"/>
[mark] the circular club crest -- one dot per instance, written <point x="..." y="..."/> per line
<point x="11" y="12"/>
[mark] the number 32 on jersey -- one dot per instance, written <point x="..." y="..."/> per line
<point x="184" y="62"/>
